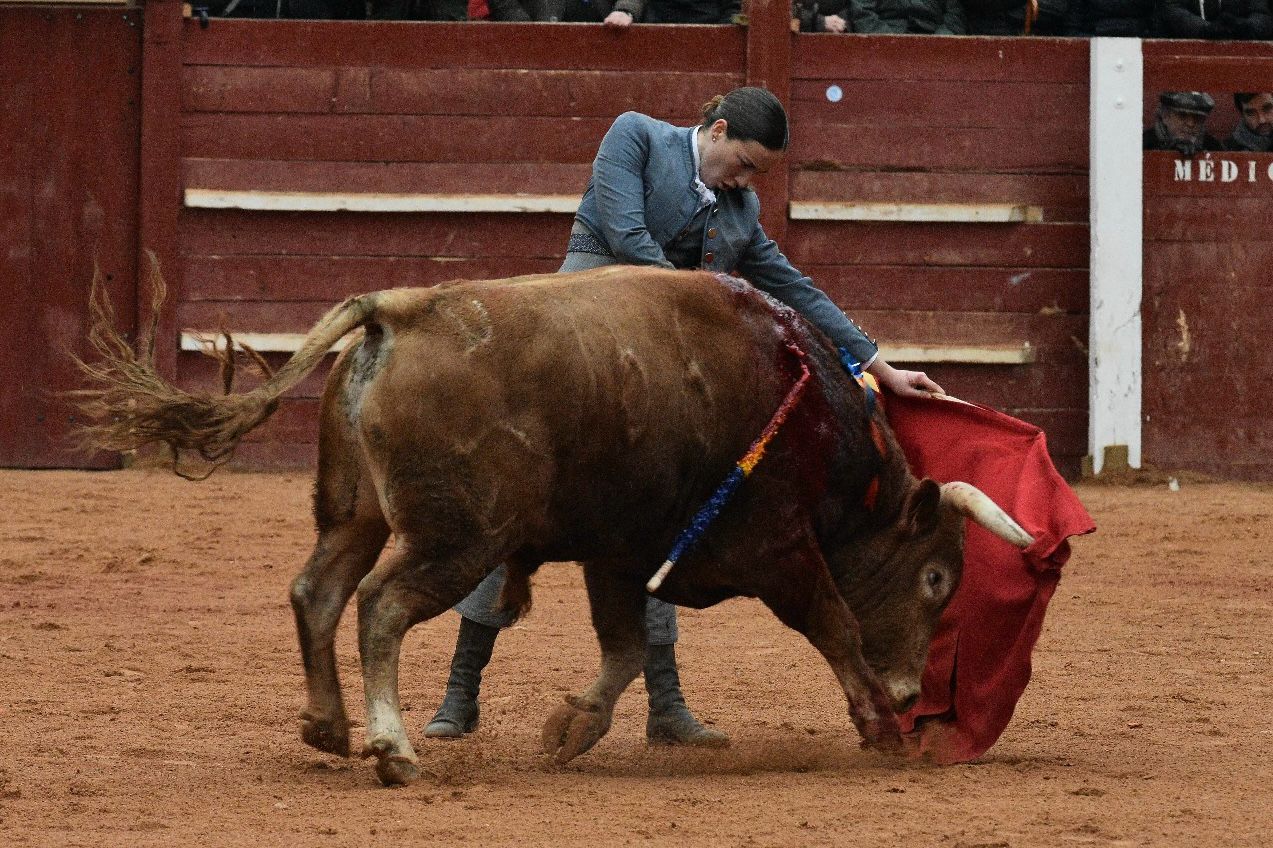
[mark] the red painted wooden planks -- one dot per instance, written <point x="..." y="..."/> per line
<point x="68" y="202"/>
<point x="418" y="44"/>
<point x="464" y="236"/>
<point x="954" y="289"/>
<point x="456" y="91"/>
<point x="1048" y="149"/>
<point x="332" y="278"/>
<point x="391" y="138"/>
<point x="908" y="58"/>
<point x="1003" y="245"/>
<point x="1063" y="197"/>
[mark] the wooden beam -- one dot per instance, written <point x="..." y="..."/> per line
<point x="315" y="201"/>
<point x="1023" y="354"/>
<point x="963" y="213"/>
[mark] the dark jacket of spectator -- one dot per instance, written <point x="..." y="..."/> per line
<point x="589" y="11"/>
<point x="1236" y="20"/>
<point x="691" y="11"/>
<point x="1112" y="18"/>
<point x="1007" y="17"/>
<point x="936" y="17"/>
<point x="813" y="14"/>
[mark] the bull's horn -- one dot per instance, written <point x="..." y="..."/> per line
<point x="976" y="504"/>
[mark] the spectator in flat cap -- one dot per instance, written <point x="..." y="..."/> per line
<point x="1254" y="130"/>
<point x="1181" y="123"/>
<point x="1222" y="20"/>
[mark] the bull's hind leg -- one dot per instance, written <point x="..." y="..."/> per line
<point x="351" y="534"/>
<point x="408" y="587"/>
<point x="617" y="599"/>
<point x="812" y="605"/>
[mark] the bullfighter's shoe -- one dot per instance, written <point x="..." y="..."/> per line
<point x="459" y="712"/>
<point x="670" y="721"/>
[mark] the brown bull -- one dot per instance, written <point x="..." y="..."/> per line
<point x="587" y="417"/>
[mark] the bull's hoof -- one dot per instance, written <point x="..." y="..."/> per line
<point x="572" y="729"/>
<point x="392" y="768"/>
<point x="881" y="734"/>
<point x="326" y="734"/>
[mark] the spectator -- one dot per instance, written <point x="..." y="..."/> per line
<point x="820" y="15"/>
<point x="420" y="10"/>
<point x="1181" y="123"/>
<point x="1224" y="20"/>
<point x="692" y="11"/>
<point x="929" y="17"/>
<point x="1112" y="18"/>
<point x="1254" y="130"/>
<point x="612" y="13"/>
<point x="1017" y="17"/>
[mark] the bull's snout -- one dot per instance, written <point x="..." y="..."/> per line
<point x="904" y="693"/>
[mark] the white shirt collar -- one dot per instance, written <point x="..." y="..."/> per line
<point x="706" y="196"/>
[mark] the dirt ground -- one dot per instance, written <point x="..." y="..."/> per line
<point x="150" y="684"/>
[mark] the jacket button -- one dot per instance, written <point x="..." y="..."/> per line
<point x="711" y="233"/>
<point x="708" y="257"/>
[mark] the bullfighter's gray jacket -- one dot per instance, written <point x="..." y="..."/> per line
<point x="643" y="158"/>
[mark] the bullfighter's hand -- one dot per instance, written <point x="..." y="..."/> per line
<point x="902" y="382"/>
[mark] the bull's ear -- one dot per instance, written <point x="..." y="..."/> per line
<point x="922" y="508"/>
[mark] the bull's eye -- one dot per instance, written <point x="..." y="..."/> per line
<point x="934" y="579"/>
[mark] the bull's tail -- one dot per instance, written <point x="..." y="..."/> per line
<point x="131" y="406"/>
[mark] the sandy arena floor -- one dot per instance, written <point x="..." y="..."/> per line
<point x="149" y="686"/>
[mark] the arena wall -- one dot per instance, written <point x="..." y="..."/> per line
<point x="937" y="188"/>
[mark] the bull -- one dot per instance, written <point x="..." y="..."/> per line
<point x="586" y="417"/>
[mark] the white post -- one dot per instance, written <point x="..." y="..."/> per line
<point x="1115" y="199"/>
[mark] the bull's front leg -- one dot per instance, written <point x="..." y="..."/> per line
<point x="617" y="599"/>
<point x="809" y="602"/>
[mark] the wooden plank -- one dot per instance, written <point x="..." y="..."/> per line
<point x="940" y="103"/>
<point x="1232" y="220"/>
<point x="313" y="201"/>
<point x="921" y="353"/>
<point x="966" y="213"/>
<point x="1062" y="197"/>
<point x="954" y="289"/>
<point x="386" y="177"/>
<point x="565" y="94"/>
<point x="211" y="232"/>
<point x="1048" y="149"/>
<point x="333" y="278"/>
<point x="998" y="245"/>
<point x="391" y="138"/>
<point x="1232" y="269"/>
<point x="61" y="214"/>
<point x="421" y="44"/>
<point x="1208" y="73"/>
<point x="908" y="58"/>
<point x="1053" y="337"/>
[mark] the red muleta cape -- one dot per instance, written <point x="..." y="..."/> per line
<point x="979" y="662"/>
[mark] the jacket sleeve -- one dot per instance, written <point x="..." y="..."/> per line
<point x="508" y="10"/>
<point x="1180" y="22"/>
<point x="766" y="268"/>
<point x="866" y="19"/>
<point x="618" y="183"/>
<point x="954" y="22"/>
<point x="635" y="8"/>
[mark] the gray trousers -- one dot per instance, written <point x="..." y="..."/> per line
<point x="479" y="606"/>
